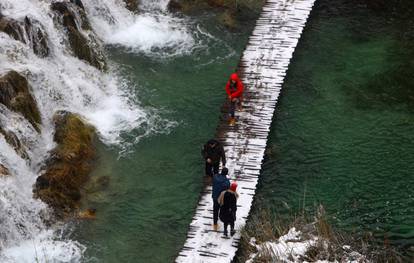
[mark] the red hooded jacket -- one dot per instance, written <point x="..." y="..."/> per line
<point x="237" y="90"/>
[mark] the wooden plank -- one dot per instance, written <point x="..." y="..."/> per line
<point x="263" y="67"/>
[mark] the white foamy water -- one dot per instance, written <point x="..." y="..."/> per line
<point x="60" y="81"/>
<point x="154" y="32"/>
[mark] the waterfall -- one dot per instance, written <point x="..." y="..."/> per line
<point x="61" y="81"/>
<point x="154" y="32"/>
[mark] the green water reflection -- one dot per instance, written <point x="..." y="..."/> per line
<point x="342" y="136"/>
<point x="342" y="133"/>
<point x="144" y="213"/>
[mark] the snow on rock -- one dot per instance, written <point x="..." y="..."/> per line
<point x="288" y="248"/>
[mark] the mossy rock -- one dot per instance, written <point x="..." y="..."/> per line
<point x="80" y="45"/>
<point x="84" y="46"/>
<point x="69" y="165"/>
<point x="15" y="95"/>
<point x="29" y="32"/>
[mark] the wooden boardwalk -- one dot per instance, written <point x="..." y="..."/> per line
<point x="262" y="68"/>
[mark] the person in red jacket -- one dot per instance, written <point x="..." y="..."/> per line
<point x="234" y="90"/>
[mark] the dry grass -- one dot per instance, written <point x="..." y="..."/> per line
<point x="265" y="226"/>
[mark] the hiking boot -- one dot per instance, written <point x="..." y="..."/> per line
<point x="232" y="121"/>
<point x="215" y="227"/>
<point x="225" y="234"/>
<point x="232" y="232"/>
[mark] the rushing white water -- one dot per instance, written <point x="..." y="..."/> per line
<point x="154" y="32"/>
<point x="61" y="81"/>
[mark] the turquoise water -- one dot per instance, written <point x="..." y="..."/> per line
<point x="341" y="137"/>
<point x="342" y="133"/>
<point x="144" y="212"/>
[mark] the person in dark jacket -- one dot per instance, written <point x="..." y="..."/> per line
<point x="220" y="183"/>
<point x="213" y="153"/>
<point x="228" y="208"/>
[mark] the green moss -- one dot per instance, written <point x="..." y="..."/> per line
<point x="70" y="163"/>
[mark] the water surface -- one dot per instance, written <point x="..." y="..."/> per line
<point x="342" y="133"/>
<point x="144" y="212"/>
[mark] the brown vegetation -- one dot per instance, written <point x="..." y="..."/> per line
<point x="331" y="245"/>
<point x="69" y="165"/>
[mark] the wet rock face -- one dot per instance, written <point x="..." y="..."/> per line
<point x="175" y="6"/>
<point x="12" y="139"/>
<point x="69" y="165"/>
<point x="28" y="31"/>
<point x="81" y="39"/>
<point x="78" y="3"/>
<point x="132" y="5"/>
<point x="15" y="95"/>
<point x="4" y="172"/>
<point x="73" y="14"/>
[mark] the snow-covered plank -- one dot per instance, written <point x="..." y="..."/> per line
<point x="263" y="67"/>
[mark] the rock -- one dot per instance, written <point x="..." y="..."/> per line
<point x="74" y="20"/>
<point x="187" y="6"/>
<point x="12" y="139"/>
<point x="132" y="5"/>
<point x="15" y="95"/>
<point x="175" y="6"/>
<point x="4" y="172"/>
<point x="230" y="13"/>
<point x="28" y="31"/>
<point x="73" y="14"/>
<point x="217" y="3"/>
<point x="69" y="165"/>
<point x="78" y="3"/>
<point x="228" y="19"/>
<point x="89" y="213"/>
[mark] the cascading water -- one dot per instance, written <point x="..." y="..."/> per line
<point x="154" y="32"/>
<point x="60" y="81"/>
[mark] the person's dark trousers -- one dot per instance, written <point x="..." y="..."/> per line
<point x="212" y="168"/>
<point x="231" y="227"/>
<point x="232" y="108"/>
<point x="216" y="208"/>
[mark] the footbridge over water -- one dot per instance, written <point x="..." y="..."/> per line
<point x="262" y="67"/>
